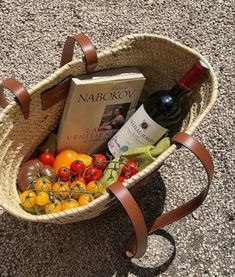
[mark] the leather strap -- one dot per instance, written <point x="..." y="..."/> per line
<point x="88" y="49"/>
<point x="203" y="155"/>
<point x="20" y="93"/>
<point x="55" y="94"/>
<point x="129" y="204"/>
<point x="60" y="91"/>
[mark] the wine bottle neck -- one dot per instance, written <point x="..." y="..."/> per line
<point x="193" y="76"/>
<point x="178" y="91"/>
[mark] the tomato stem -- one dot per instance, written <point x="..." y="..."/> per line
<point x="69" y="191"/>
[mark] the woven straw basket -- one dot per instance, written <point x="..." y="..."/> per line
<point x="160" y="59"/>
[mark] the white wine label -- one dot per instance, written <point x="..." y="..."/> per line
<point x="139" y="130"/>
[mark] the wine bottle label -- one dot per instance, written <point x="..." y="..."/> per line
<point x="139" y="130"/>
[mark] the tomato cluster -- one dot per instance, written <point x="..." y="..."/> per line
<point x="77" y="181"/>
<point x="129" y="169"/>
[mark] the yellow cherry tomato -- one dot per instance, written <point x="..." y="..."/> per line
<point x="77" y="187"/>
<point x="61" y="190"/>
<point x="69" y="204"/>
<point x="28" y="199"/>
<point x="86" y="159"/>
<point x="53" y="207"/>
<point x="96" y="187"/>
<point x="64" y="159"/>
<point x="85" y="199"/>
<point x="43" y="184"/>
<point x="42" y="198"/>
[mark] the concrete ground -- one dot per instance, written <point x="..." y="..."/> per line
<point x="31" y="38"/>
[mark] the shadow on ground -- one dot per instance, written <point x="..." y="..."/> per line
<point x="91" y="248"/>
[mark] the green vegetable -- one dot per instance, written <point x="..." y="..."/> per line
<point x="144" y="155"/>
<point x="112" y="171"/>
<point x="161" y="146"/>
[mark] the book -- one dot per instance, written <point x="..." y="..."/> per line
<point x="97" y="106"/>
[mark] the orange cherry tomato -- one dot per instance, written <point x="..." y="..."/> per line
<point x="64" y="159"/>
<point x="69" y="204"/>
<point x="43" y="184"/>
<point x="61" y="190"/>
<point x="85" y="199"/>
<point x="77" y="188"/>
<point x="53" y="207"/>
<point x="42" y="198"/>
<point x="28" y="199"/>
<point x="96" y="187"/>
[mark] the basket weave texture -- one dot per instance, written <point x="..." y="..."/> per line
<point x="160" y="59"/>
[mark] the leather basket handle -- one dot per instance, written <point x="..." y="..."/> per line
<point x="59" y="92"/>
<point x="88" y="49"/>
<point x="136" y="247"/>
<point x="20" y="93"/>
<point x="136" y="218"/>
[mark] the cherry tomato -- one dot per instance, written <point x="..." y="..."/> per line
<point x="77" y="167"/>
<point x="28" y="199"/>
<point x="69" y="204"/>
<point x="53" y="207"/>
<point x="64" y="173"/>
<point x="61" y="190"/>
<point x="85" y="199"/>
<point x="96" y="187"/>
<point x="100" y="161"/>
<point x="92" y="173"/>
<point x="78" y="178"/>
<point x="121" y="179"/>
<point x="77" y="187"/>
<point x="130" y="169"/>
<point x="64" y="159"/>
<point x="42" y="198"/>
<point x="47" y="158"/>
<point x="43" y="184"/>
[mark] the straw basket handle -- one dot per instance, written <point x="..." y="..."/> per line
<point x="20" y="93"/>
<point x="137" y="243"/>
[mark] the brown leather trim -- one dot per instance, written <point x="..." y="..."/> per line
<point x="60" y="91"/>
<point x="55" y="94"/>
<point x="124" y="196"/>
<point x="88" y="49"/>
<point x="203" y="155"/>
<point x="20" y="93"/>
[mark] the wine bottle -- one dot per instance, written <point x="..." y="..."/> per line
<point x="160" y="112"/>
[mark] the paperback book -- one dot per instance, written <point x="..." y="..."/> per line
<point x="97" y="106"/>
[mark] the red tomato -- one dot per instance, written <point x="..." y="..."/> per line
<point x="47" y="158"/>
<point x="78" y="178"/>
<point x="92" y="173"/>
<point x="100" y="161"/>
<point x="130" y="169"/>
<point x="77" y="167"/>
<point x="121" y="179"/>
<point x="64" y="173"/>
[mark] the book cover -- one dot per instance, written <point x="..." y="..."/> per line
<point x="97" y="106"/>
